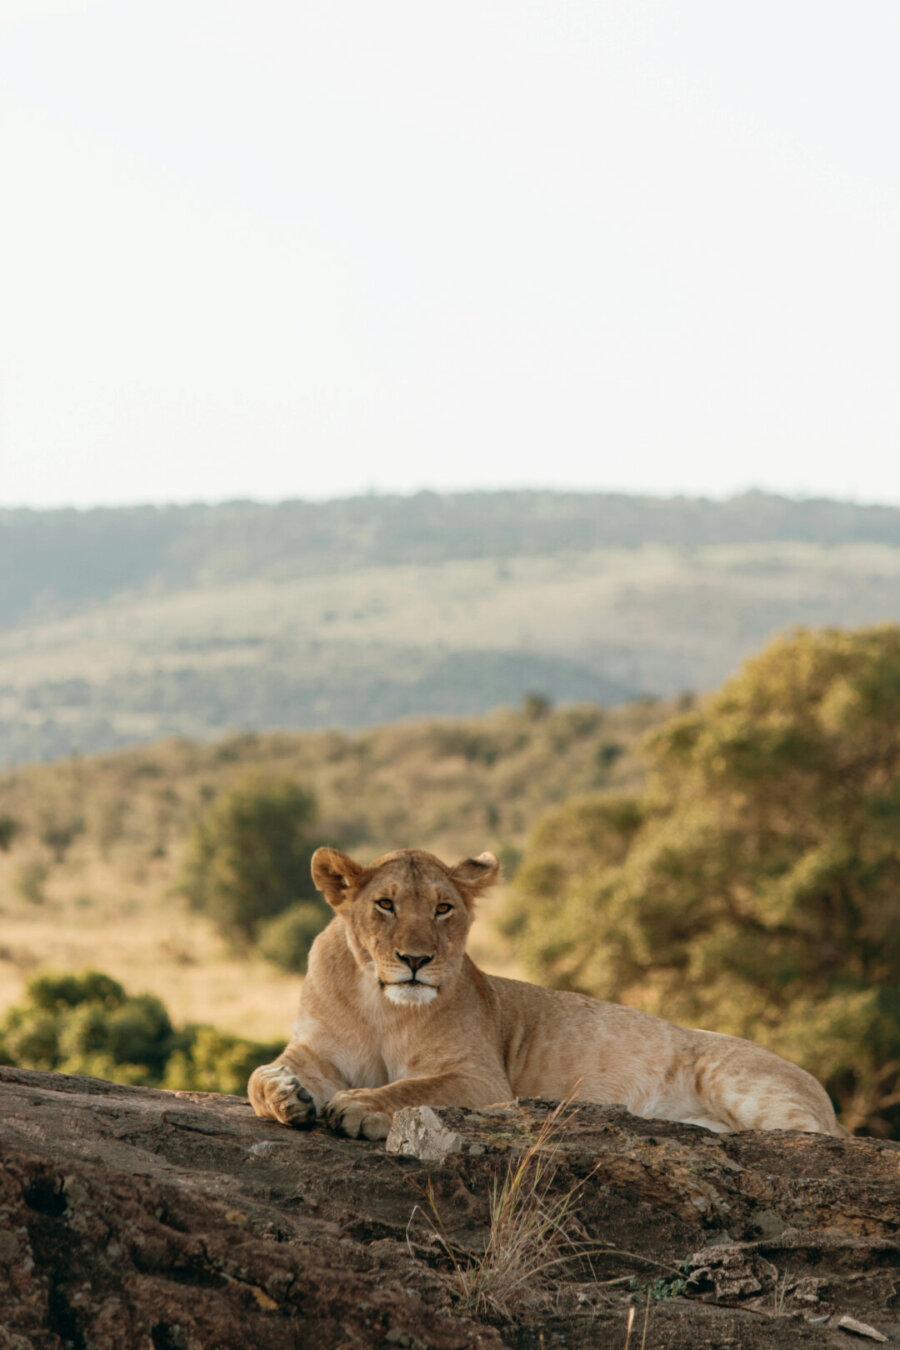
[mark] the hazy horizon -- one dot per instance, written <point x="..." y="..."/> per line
<point x="484" y="489"/>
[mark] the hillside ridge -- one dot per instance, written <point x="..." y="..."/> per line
<point x="125" y="625"/>
<point x="56" y="559"/>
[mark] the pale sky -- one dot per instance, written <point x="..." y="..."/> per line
<point x="304" y="248"/>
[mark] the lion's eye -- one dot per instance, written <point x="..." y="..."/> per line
<point x="443" y="908"/>
<point x="385" y="904"/>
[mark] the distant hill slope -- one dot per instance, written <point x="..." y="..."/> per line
<point x="51" y="561"/>
<point x="123" y="625"/>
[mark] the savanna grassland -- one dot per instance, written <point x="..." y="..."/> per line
<point x="727" y="862"/>
<point x="94" y="848"/>
<point x="493" y="661"/>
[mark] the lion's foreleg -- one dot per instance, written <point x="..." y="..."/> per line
<point x="369" y="1111"/>
<point x="295" y="1087"/>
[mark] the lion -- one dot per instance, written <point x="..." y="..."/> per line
<point x="394" y="1013"/>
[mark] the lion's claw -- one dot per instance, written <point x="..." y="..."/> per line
<point x="350" y="1113"/>
<point x="283" y="1096"/>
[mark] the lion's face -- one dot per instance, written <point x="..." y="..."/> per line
<point x="407" y="916"/>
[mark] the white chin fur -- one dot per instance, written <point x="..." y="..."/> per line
<point x="410" y="994"/>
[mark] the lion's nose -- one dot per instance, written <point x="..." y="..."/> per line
<point x="414" y="962"/>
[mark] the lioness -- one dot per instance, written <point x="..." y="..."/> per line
<point x="394" y="1013"/>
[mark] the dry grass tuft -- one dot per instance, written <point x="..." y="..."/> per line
<point x="629" y="1324"/>
<point x="530" y="1238"/>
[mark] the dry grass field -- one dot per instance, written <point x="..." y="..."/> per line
<point x="153" y="943"/>
<point x="90" y="878"/>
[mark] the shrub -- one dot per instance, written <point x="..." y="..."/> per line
<point x="69" y="991"/>
<point x="536" y="707"/>
<point x="211" y="1061"/>
<point x="140" y="1032"/>
<point x="29" y="880"/>
<point x="58" y="831"/>
<point x="88" y="1024"/>
<point x="286" y="940"/>
<point x="248" y="859"/>
<point x="31" y="1038"/>
<point x="9" y="828"/>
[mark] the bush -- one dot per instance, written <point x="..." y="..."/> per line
<point x="29" y="880"/>
<point x="754" y="887"/>
<point x="212" y="1061"/>
<point x="9" y="829"/>
<point x="30" y="1038"/>
<point x="140" y="1032"/>
<point x="248" y="859"/>
<point x="69" y="991"/>
<point x="286" y="940"/>
<point x="87" y="1024"/>
<point x="58" y="831"/>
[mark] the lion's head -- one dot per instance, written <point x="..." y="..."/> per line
<point x="407" y="915"/>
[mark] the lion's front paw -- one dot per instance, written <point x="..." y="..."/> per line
<point x="356" y="1113"/>
<point x="278" y="1094"/>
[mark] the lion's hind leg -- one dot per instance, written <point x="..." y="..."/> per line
<point x="748" y="1088"/>
<point x="706" y="1123"/>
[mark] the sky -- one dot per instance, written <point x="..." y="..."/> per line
<point x="309" y="248"/>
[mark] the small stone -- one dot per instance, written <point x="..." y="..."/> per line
<point x="770" y="1224"/>
<point x="417" y="1132"/>
<point x="860" y="1328"/>
<point x="809" y="1290"/>
<point x="76" y="1192"/>
<point x="268" y="1147"/>
<point x="262" y="1298"/>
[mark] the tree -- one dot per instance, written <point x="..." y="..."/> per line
<point x="754" y="887"/>
<point x="248" y="859"/>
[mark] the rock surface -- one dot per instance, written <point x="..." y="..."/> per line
<point x="136" y="1218"/>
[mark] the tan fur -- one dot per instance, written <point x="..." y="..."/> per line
<point x="373" y="1034"/>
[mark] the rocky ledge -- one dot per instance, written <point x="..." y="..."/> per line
<point x="136" y="1218"/>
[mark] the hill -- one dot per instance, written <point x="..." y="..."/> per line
<point x="118" y="626"/>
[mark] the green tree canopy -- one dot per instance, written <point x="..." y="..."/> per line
<point x="87" y="1023"/>
<point x="754" y="887"/>
<point x="248" y="859"/>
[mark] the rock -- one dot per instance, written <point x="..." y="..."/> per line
<point x="860" y="1329"/>
<point x="131" y="1217"/>
<point x="419" y="1132"/>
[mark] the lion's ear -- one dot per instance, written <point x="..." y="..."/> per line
<point x="335" y="874"/>
<point x="476" y="874"/>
